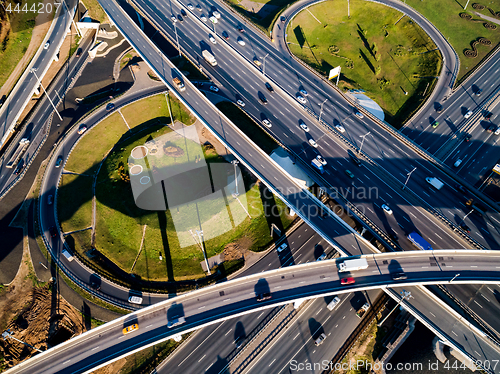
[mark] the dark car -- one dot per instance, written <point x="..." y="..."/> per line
<point x="262" y="99"/>
<point x="464" y="227"/>
<point x="478" y="92"/>
<point x="225" y="35"/>
<point x="240" y="28"/>
<point x="179" y="17"/>
<point x="353" y="157"/>
<point x="492" y="128"/>
<point x="53" y="231"/>
<point x="264" y="296"/>
<point x="488" y="115"/>
<point x="283" y="19"/>
<point x="19" y="167"/>
<point x="78" y="52"/>
<point x="183" y="12"/>
<point x="269" y="87"/>
<point x="461" y="188"/>
<point x="96" y="286"/>
<point x="468" y="137"/>
<point x="110" y="106"/>
<point x="439" y="108"/>
<point x="398" y="276"/>
<point x="59" y="161"/>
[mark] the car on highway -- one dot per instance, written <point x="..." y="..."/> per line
<point x="358" y="114"/>
<point x="53" y="231"/>
<point x="203" y="18"/>
<point x="491" y="128"/>
<point x="321" y="159"/>
<point x="176" y="322"/>
<point x="96" y="286"/>
<point x="198" y="7"/>
<point x="213" y="19"/>
<point x="386" y="208"/>
<point x="263" y="99"/>
<point x="46" y="46"/>
<point x="438" y="107"/>
<point x="269" y="87"/>
<point x="320" y="339"/>
<point x="349" y="173"/>
<point x="497" y="131"/>
<point x="179" y="17"/>
<point x="225" y="35"/>
<point x="264" y="296"/>
<point x="241" y="41"/>
<point x="461" y="188"/>
<point x="266" y="122"/>
<point x="468" y="114"/>
<point x="333" y="304"/>
<point x="281" y="247"/>
<point x="110" y="106"/>
<point x="212" y="39"/>
<point x="340" y="128"/>
<point x="301" y="99"/>
<point x="240" y="102"/>
<point x="50" y="199"/>
<point x="322" y="257"/>
<point x="398" y="276"/>
<point x="213" y="88"/>
<point x="464" y="227"/>
<point x="173" y="18"/>
<point x="478" y="92"/>
<point x="435" y="124"/>
<point x="190" y="6"/>
<point x="131" y="328"/>
<point x="488" y="115"/>
<point x="82" y="129"/>
<point x="468" y="137"/>
<point x="345" y="281"/>
<point x="256" y="61"/>
<point x="78" y="52"/>
<point x="240" y="28"/>
<point x="19" y="168"/>
<point x="59" y="161"/>
<point x="183" y="13"/>
<point x="313" y="143"/>
<point x="457" y="163"/>
<point x="353" y="157"/>
<point x="135" y="299"/>
<point x="282" y="19"/>
<point x="303" y="92"/>
<point x="216" y="14"/>
<point x="303" y="126"/>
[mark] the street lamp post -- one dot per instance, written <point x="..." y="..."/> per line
<point x="264" y="66"/>
<point x="465" y="7"/>
<point x="7" y="335"/>
<point x="72" y="19"/>
<point x="321" y="109"/>
<point x="200" y="237"/>
<point x="169" y="111"/>
<point x="404" y="295"/>
<point x="408" y="178"/>
<point x="177" y="38"/>
<point x="452" y="279"/>
<point x="236" y="193"/>
<point x="33" y="70"/>
<point x="362" y="141"/>
<point x="463" y="219"/>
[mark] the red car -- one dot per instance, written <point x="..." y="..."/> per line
<point x="347" y="281"/>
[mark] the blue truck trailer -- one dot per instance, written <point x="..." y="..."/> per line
<point x="419" y="242"/>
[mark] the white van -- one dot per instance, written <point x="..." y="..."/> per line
<point x="176" y="322"/>
<point x="457" y="163"/>
<point x="333" y="304"/>
<point x="135" y="300"/>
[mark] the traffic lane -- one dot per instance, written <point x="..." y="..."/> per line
<point x="296" y="345"/>
<point x="461" y="334"/>
<point x="483" y="300"/>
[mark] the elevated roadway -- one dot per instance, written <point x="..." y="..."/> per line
<point x="213" y="304"/>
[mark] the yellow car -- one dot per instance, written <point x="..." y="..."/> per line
<point x="131" y="328"/>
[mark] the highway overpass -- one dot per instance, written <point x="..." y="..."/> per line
<point x="213" y="304"/>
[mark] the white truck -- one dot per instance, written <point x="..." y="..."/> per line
<point x="361" y="312"/>
<point x="209" y="57"/>
<point x="176" y="322"/>
<point x="318" y="165"/>
<point x="180" y="84"/>
<point x="23" y="145"/>
<point x="434" y="182"/>
<point x="352" y="265"/>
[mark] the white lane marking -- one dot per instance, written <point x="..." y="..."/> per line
<point x="228" y="332"/>
<point x="202" y="358"/>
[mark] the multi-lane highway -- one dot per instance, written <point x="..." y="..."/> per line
<point x="24" y="89"/>
<point x="213" y="304"/>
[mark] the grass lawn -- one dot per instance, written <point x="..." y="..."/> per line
<point x="95" y="10"/>
<point x="15" y="44"/>
<point x="460" y="32"/>
<point x="120" y="223"/>
<point x="248" y="126"/>
<point x="384" y="59"/>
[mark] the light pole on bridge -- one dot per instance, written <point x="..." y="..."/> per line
<point x="404" y="295"/>
<point x="321" y="109"/>
<point x="362" y="141"/>
<point x="408" y="178"/>
<point x="33" y="70"/>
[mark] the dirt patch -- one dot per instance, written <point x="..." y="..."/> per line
<point x="42" y="25"/>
